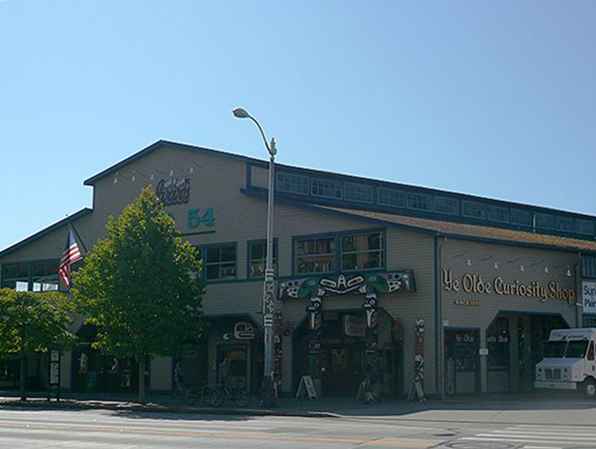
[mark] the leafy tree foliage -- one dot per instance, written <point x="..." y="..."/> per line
<point x="140" y="287"/>
<point x="33" y="322"/>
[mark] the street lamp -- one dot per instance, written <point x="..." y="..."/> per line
<point x="269" y="284"/>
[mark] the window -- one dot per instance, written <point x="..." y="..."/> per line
<point x="362" y="251"/>
<point x="326" y="188"/>
<point x="521" y="217"/>
<point x="589" y="266"/>
<point x="446" y="205"/>
<point x="219" y="261"/>
<point x="545" y="221"/>
<point x="358" y="192"/>
<point x="290" y="183"/>
<point x="419" y="201"/>
<point x="497" y="213"/>
<point x="585" y="227"/>
<point x="393" y="198"/>
<point x="473" y="209"/>
<point x="566" y="224"/>
<point x="316" y="255"/>
<point x="38" y="276"/>
<point x="257" y="257"/>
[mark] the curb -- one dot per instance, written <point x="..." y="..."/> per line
<point x="66" y="404"/>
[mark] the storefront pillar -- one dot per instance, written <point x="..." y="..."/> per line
<point x="514" y="353"/>
<point x="483" y="363"/>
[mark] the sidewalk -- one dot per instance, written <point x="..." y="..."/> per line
<point x="472" y="406"/>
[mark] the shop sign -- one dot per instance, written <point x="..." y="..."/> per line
<point x="475" y="283"/>
<point x="200" y="218"/>
<point x="173" y="191"/>
<point x="243" y="330"/>
<point x="589" y="296"/>
<point x="354" y="326"/>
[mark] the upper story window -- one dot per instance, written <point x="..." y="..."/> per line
<point x="393" y="198"/>
<point x="257" y="257"/>
<point x="358" y="192"/>
<point x="356" y="251"/>
<point x="419" y="201"/>
<point x="446" y="205"/>
<point x="566" y="224"/>
<point x="315" y="255"/>
<point x="219" y="261"/>
<point x="362" y="251"/>
<point x="474" y="209"/>
<point x="498" y="213"/>
<point x="545" y="221"/>
<point x="589" y="266"/>
<point x="326" y="188"/>
<point x="37" y="276"/>
<point x="291" y="183"/>
<point x="585" y="226"/>
<point x="521" y="217"/>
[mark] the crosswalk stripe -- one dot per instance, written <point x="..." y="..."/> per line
<point x="544" y="433"/>
<point x="535" y="436"/>
<point x="527" y="440"/>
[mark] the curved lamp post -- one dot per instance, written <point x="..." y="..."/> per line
<point x="269" y="284"/>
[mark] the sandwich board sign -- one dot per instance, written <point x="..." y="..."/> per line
<point x="307" y="386"/>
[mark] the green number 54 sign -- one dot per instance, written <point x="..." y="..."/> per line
<point x="199" y="218"/>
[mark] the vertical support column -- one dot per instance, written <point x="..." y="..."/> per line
<point x="483" y="364"/>
<point x="514" y="354"/>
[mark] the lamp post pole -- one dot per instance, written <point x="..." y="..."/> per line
<point x="268" y="306"/>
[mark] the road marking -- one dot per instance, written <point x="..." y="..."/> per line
<point x="541" y="447"/>
<point x="536" y="436"/>
<point x="529" y="440"/>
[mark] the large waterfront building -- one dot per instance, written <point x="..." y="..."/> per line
<point x="487" y="279"/>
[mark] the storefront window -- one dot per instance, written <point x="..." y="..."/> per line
<point x="362" y="251"/>
<point x="315" y="255"/>
<point x="220" y="261"/>
<point x="257" y="258"/>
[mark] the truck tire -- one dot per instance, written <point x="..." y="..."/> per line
<point x="590" y="388"/>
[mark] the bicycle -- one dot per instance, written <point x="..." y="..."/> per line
<point x="223" y="393"/>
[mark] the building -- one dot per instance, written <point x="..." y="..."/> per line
<point x="485" y="280"/>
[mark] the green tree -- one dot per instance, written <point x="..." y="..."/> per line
<point x="140" y="285"/>
<point x="33" y="322"/>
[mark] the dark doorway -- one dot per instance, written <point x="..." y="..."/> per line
<point x="462" y="361"/>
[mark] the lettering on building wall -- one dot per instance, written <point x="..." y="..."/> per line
<point x="172" y="191"/>
<point x="198" y="218"/>
<point x="477" y="284"/>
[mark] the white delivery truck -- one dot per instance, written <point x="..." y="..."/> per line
<point x="569" y="362"/>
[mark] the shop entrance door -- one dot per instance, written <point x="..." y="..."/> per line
<point x="462" y="361"/>
<point x="343" y="369"/>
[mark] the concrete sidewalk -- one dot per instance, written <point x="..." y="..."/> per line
<point x="487" y="408"/>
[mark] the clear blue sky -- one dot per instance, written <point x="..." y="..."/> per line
<point x="491" y="98"/>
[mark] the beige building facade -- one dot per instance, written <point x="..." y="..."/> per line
<point x="457" y="291"/>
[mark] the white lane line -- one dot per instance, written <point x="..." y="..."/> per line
<point x="527" y="440"/>
<point x="541" y="447"/>
<point x="536" y="437"/>
<point x="544" y="433"/>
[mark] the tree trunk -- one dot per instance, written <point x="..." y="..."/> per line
<point x="22" y="375"/>
<point x="141" y="363"/>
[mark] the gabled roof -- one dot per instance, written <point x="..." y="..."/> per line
<point x="160" y="144"/>
<point x="40" y="234"/>
<point x="475" y="232"/>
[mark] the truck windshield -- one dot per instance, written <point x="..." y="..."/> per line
<point x="577" y="349"/>
<point x="554" y="349"/>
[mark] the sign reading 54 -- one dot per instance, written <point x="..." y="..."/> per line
<point x="201" y="217"/>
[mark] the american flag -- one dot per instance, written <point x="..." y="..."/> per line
<point x="71" y="254"/>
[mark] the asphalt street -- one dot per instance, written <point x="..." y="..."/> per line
<point x="510" y="426"/>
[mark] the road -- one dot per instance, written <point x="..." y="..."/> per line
<point x="549" y="428"/>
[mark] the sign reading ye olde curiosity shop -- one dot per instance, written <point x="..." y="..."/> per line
<point x="476" y="283"/>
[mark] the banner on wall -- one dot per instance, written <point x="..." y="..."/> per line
<point x="589" y="296"/>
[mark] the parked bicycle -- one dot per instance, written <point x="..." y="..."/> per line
<point x="224" y="393"/>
